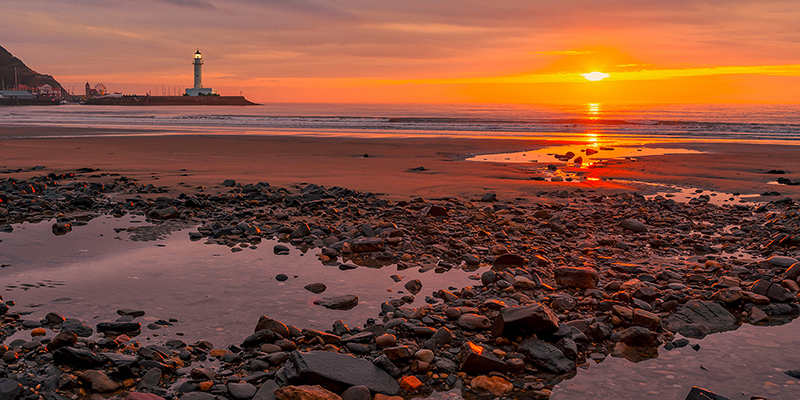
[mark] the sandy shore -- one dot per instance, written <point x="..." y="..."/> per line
<point x="185" y="162"/>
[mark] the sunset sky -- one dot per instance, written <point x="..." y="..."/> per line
<point x="509" y="51"/>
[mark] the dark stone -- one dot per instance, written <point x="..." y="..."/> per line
<point x="772" y="290"/>
<point x="276" y="326"/>
<point x="476" y="358"/>
<point x="702" y="394"/>
<point x="131" y="312"/>
<point x="413" y="286"/>
<point x="584" y="278"/>
<point x="260" y="337"/>
<point x="79" y="358"/>
<point x="77" y="327"/>
<point x="280" y="249"/>
<point x="357" y="393"/>
<point x="267" y="391"/>
<point x="638" y="336"/>
<point x="10" y="389"/>
<point x="633" y="225"/>
<point x="708" y="314"/>
<point x="241" y="391"/>
<point x="535" y="318"/>
<point x="281" y="277"/>
<point x="545" y="356"/>
<point x="507" y="260"/>
<point x="119" y="327"/>
<point x="344" y="302"/>
<point x="63" y="339"/>
<point x="120" y="359"/>
<point x="366" y="245"/>
<point x="338" y="372"/>
<point x="315" y="288"/>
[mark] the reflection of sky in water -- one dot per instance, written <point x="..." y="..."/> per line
<point x="547" y="154"/>
<point x="216" y="294"/>
<point x="746" y="362"/>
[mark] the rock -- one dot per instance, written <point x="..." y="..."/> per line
<point x="386" y="340"/>
<point x="142" y="396"/>
<point x="228" y="183"/>
<point x="130" y="311"/>
<point x="198" y="396"/>
<point x="366" y="245"/>
<point x="495" y="385"/>
<point x="241" y="391"/>
<point x="442" y="336"/>
<point x="476" y="358"/>
<point x="120" y="359"/>
<point x="646" y="319"/>
<point x="164" y="213"/>
<point x="781" y="261"/>
<point x="488" y="278"/>
<point x="633" y="225"/>
<point x="773" y="291"/>
<point x="302" y="231"/>
<point x="345" y="302"/>
<point x="489" y="197"/>
<point x="638" y="336"/>
<point x="580" y="277"/>
<point x="702" y="394"/>
<point x="545" y="356"/>
<point x="338" y="372"/>
<point x="77" y="327"/>
<point x="260" y="337"/>
<point x="278" y="327"/>
<point x="305" y="393"/>
<point x="708" y="314"/>
<point x="62" y="228"/>
<point x="357" y="393"/>
<point x="507" y="261"/>
<point x="267" y="391"/>
<point x="63" y="339"/>
<point x="410" y="383"/>
<point x="315" y="288"/>
<point x="79" y="358"/>
<point x="10" y="389"/>
<point x="793" y="272"/>
<point x="536" y="318"/>
<point x="101" y="383"/>
<point x="119" y="327"/>
<point x="413" y="286"/>
<point x="281" y="277"/>
<point x="280" y="249"/>
<point x="473" y="322"/>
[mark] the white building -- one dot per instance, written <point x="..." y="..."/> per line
<point x="198" y="89"/>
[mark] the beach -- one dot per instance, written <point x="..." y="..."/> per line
<point x="385" y="165"/>
<point x="564" y="265"/>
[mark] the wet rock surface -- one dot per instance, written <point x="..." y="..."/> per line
<point x="575" y="278"/>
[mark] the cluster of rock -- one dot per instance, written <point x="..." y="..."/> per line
<point x="572" y="281"/>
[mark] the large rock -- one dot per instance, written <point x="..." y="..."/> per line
<point x="77" y="327"/>
<point x="782" y="261"/>
<point x="580" y="277"/>
<point x="10" y="389"/>
<point x="534" y="318"/>
<point x="702" y="394"/>
<point x="337" y="372"/>
<point x="697" y="314"/>
<point x="305" y="393"/>
<point x="241" y="391"/>
<point x="344" y="302"/>
<point x="633" y="225"/>
<point x="638" y="336"/>
<point x="260" y="337"/>
<point x="366" y="245"/>
<point x="79" y="358"/>
<point x="545" y="356"/>
<point x="473" y="321"/>
<point x="476" y="358"/>
<point x="276" y="326"/>
<point x="100" y="382"/>
<point x="772" y="290"/>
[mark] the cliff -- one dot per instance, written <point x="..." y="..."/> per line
<point x="25" y="75"/>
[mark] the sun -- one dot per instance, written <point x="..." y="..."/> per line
<point x="595" y="76"/>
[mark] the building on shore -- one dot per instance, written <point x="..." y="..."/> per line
<point x="16" y="94"/>
<point x="198" y="89"/>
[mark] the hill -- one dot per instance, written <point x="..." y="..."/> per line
<point x="25" y="75"/>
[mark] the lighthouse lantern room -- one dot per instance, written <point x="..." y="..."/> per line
<point x="198" y="89"/>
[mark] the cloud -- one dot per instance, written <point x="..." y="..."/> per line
<point x="200" y="4"/>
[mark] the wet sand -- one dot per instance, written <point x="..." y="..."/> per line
<point x="185" y="162"/>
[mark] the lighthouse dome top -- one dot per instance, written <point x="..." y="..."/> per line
<point x="197" y="54"/>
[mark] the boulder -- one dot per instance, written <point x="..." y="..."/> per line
<point x="337" y="372"/>
<point x="535" y="318"/>
<point x="495" y="385"/>
<point x="545" y="356"/>
<point x="473" y="321"/>
<point x="10" y="389"/>
<point x="782" y="261"/>
<point x="304" y="392"/>
<point x="773" y="291"/>
<point x="276" y="326"/>
<point x="77" y="327"/>
<point x="702" y="394"/>
<point x="241" y="391"/>
<point x="637" y="336"/>
<point x="366" y="245"/>
<point x="476" y="358"/>
<point x="686" y="319"/>
<point x="100" y="382"/>
<point x="633" y="225"/>
<point x="79" y="358"/>
<point x="580" y="277"/>
<point x="344" y="302"/>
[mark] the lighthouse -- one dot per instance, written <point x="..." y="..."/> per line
<point x="198" y="70"/>
<point x="198" y="89"/>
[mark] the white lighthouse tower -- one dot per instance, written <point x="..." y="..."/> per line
<point x="198" y="89"/>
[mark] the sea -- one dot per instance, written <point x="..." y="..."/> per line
<point x="750" y="123"/>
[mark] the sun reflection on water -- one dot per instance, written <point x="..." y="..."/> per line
<point x="593" y="109"/>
